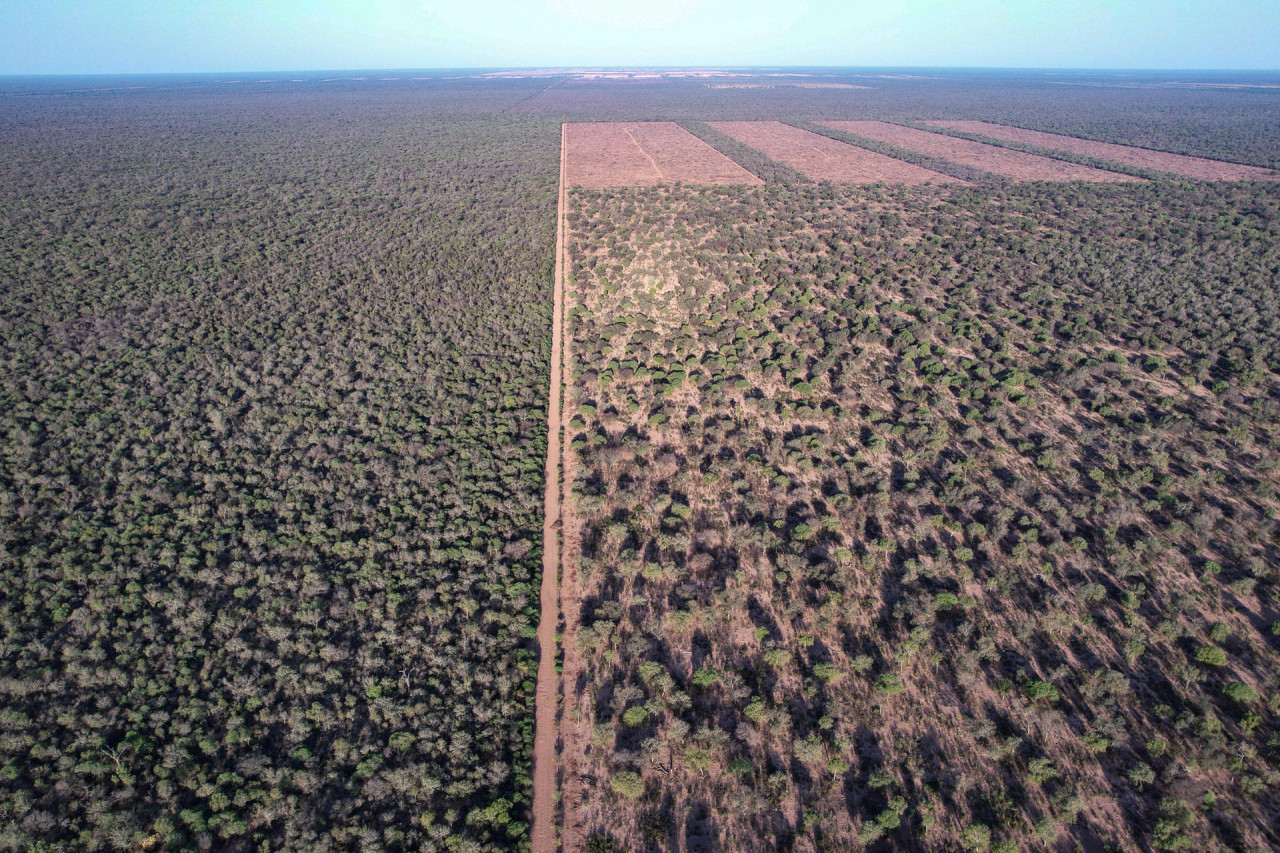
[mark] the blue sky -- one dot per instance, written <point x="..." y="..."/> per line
<point x="108" y="36"/>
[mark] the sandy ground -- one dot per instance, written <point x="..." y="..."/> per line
<point x="990" y="158"/>
<point x="1181" y="164"/>
<point x="826" y="159"/>
<point x="548" y="689"/>
<point x="644" y="153"/>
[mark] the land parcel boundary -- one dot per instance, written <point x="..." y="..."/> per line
<point x="1180" y="164"/>
<point x="825" y="159"/>
<point x="990" y="158"/>
<point x="645" y="153"/>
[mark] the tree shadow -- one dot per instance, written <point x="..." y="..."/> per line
<point x="701" y="834"/>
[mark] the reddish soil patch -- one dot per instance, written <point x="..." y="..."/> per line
<point x="646" y="153"/>
<point x="1181" y="164"/>
<point x="826" y="159"/>
<point x="990" y="158"/>
<point x="546" y="696"/>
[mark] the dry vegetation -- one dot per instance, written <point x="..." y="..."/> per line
<point x="825" y="159"/>
<point x="272" y="427"/>
<point x="1192" y="167"/>
<point x="938" y="518"/>
<point x="644" y="153"/>
<point x="1018" y="165"/>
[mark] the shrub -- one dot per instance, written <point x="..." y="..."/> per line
<point x="1037" y="690"/>
<point x="1042" y="770"/>
<point x="650" y="670"/>
<point x="705" y="677"/>
<point x="1174" y="819"/>
<point x="628" y="784"/>
<point x="1240" y="692"/>
<point x="1211" y="656"/>
<point x="1096" y="742"/>
<point x="945" y="601"/>
<point x="870" y="832"/>
<point x="777" y="657"/>
<point x="826" y="672"/>
<point x="635" y="717"/>
<point x="889" y="683"/>
<point x="1141" y="775"/>
<point x="976" y="837"/>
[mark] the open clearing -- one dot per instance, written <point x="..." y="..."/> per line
<point x="641" y="154"/>
<point x="1192" y="167"/>
<point x="990" y="158"/>
<point x="826" y="159"/>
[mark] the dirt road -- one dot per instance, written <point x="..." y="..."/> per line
<point x="545" y="726"/>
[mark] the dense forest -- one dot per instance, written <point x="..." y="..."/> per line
<point x="271" y="444"/>
<point x="928" y="518"/>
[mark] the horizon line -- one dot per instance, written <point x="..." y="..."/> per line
<point x="644" y="67"/>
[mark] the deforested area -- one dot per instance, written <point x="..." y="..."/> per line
<point x="272" y="427"/>
<point x="1193" y="167"/>
<point x="926" y="518"/>
<point x="892" y="517"/>
<point x="645" y="153"/>
<point x="1018" y="165"/>
<point x="821" y="158"/>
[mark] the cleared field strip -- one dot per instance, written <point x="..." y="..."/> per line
<point x="644" y="153"/>
<point x="546" y="732"/>
<point x="1181" y="164"/>
<point x="979" y="155"/>
<point x="826" y="159"/>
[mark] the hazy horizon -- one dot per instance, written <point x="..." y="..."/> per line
<point x="131" y="37"/>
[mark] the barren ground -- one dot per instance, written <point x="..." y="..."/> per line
<point x="826" y="159"/>
<point x="545" y="700"/>
<point x="1192" y="167"/>
<point x="991" y="158"/>
<point x="620" y="154"/>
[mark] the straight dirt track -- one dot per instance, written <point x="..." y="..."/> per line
<point x="546" y="696"/>
<point x="1180" y="164"/>
<point x="643" y="154"/>
<point x="990" y="158"/>
<point x="825" y="159"/>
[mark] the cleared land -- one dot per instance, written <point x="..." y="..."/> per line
<point x="547" y="694"/>
<point x="991" y="158"/>
<point x="1192" y="167"/>
<point x="641" y="154"/>
<point x="826" y="159"/>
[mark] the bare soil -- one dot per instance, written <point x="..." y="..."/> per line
<point x="641" y="154"/>
<point x="548" y="690"/>
<point x="990" y="158"/>
<point x="1181" y="164"/>
<point x="826" y="159"/>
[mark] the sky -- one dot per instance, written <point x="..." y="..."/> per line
<point x="145" y="36"/>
